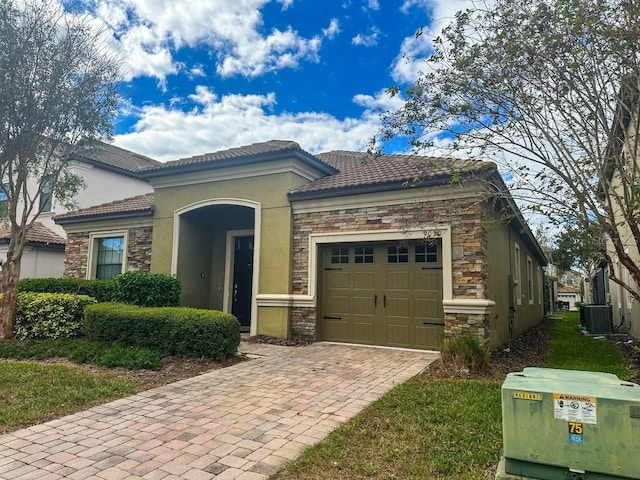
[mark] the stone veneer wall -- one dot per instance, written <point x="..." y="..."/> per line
<point x="468" y="237"/>
<point x="138" y="252"/>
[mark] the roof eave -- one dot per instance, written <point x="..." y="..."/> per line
<point x="32" y="243"/>
<point x="106" y="166"/>
<point x="103" y="216"/>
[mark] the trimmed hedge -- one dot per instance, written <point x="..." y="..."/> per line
<point x="147" y="289"/>
<point x="101" y="290"/>
<point x="185" y="332"/>
<point x="49" y="315"/>
<point x="136" y="288"/>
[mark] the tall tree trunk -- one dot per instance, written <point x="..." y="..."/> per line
<point x="8" y="304"/>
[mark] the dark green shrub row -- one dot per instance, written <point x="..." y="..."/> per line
<point x="104" y="355"/>
<point x="49" y="315"/>
<point x="81" y="350"/>
<point x="147" y="289"/>
<point x="186" y="332"/>
<point x="101" y="290"/>
<point x="136" y="288"/>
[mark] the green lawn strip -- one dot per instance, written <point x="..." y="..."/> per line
<point x="421" y="429"/>
<point x="31" y="392"/>
<point x="572" y="350"/>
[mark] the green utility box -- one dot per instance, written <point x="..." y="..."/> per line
<point x="570" y="425"/>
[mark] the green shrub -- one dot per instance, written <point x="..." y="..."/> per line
<point x="49" y="315"/>
<point x="465" y="352"/>
<point x="147" y="289"/>
<point x="96" y="353"/>
<point x="101" y="290"/>
<point x="186" y="332"/>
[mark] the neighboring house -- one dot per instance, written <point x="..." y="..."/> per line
<point x="570" y="288"/>
<point x="340" y="246"/>
<point x="109" y="173"/>
<point x="568" y="297"/>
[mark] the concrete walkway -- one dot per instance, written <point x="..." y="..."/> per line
<point x="242" y="422"/>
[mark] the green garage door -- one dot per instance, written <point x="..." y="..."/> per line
<point x="383" y="294"/>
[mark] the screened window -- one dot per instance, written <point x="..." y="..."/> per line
<point x="109" y="256"/>
<point x="397" y="254"/>
<point x="530" y="279"/>
<point x="340" y="255"/>
<point x="517" y="279"/>
<point x="46" y="197"/>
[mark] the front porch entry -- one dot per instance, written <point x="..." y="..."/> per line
<point x="215" y="257"/>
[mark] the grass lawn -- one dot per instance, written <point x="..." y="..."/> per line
<point x="445" y="430"/>
<point x="33" y="392"/>
<point x="573" y="351"/>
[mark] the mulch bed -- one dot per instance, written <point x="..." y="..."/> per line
<point x="528" y="350"/>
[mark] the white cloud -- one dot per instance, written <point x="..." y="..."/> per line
<point x="148" y="31"/>
<point x="332" y="30"/>
<point x="369" y="40"/>
<point x="219" y="122"/>
<point x="373" y="4"/>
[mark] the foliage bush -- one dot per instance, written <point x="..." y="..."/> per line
<point x="81" y="350"/>
<point x="101" y="290"/>
<point x="49" y="315"/>
<point x="147" y="289"/>
<point x="186" y="332"/>
<point x="104" y="355"/>
<point x="466" y="352"/>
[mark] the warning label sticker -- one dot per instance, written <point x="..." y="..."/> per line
<point x="575" y="408"/>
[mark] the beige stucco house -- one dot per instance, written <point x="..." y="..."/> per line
<point x="340" y="246"/>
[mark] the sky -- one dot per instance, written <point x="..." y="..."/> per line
<point x="206" y="75"/>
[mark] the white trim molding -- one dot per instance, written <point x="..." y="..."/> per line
<point x="257" y="233"/>
<point x="470" y="306"/>
<point x="285" y="300"/>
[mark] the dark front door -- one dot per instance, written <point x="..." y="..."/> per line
<point x="242" y="280"/>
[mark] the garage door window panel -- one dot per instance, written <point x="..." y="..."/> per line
<point x="398" y="254"/>
<point x="339" y="255"/>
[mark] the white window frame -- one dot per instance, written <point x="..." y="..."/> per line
<point x="517" y="274"/>
<point x="530" y="293"/>
<point x="539" y="275"/>
<point x="92" y="256"/>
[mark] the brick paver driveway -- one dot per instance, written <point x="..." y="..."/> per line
<point x="242" y="422"/>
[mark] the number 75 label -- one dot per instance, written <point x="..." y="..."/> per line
<point x="576" y="432"/>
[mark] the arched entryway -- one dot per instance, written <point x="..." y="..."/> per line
<point x="215" y="256"/>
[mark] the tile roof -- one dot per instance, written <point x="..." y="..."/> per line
<point x="347" y="171"/>
<point x="135" y="206"/>
<point x="38" y="233"/>
<point x="112" y="156"/>
<point x="361" y="170"/>
<point x="246" y="153"/>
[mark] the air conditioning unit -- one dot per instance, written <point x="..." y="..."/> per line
<point x="598" y="318"/>
<point x="569" y="425"/>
